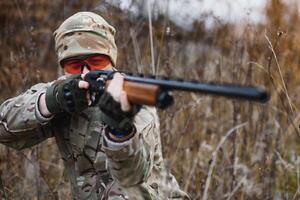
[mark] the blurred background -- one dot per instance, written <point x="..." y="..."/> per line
<point x="217" y="148"/>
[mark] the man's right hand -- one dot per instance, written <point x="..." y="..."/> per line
<point x="68" y="95"/>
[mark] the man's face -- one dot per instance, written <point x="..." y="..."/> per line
<point x="86" y="63"/>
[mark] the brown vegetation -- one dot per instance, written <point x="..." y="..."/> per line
<point x="217" y="148"/>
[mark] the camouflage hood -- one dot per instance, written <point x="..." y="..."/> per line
<point x="85" y="33"/>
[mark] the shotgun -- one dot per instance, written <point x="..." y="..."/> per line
<point x="148" y="89"/>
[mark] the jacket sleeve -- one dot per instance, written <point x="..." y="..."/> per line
<point x="131" y="162"/>
<point x="21" y="124"/>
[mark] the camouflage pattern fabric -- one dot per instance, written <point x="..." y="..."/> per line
<point x="85" y="33"/>
<point x="97" y="167"/>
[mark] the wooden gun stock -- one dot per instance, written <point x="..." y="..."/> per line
<point x="140" y="93"/>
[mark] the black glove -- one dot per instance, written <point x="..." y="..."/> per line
<point x="66" y="96"/>
<point x="120" y="123"/>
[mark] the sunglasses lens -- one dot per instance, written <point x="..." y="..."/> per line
<point x="95" y="62"/>
<point x="72" y="67"/>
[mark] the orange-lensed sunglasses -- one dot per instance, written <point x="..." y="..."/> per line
<point x="92" y="62"/>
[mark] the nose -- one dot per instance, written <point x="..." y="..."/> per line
<point x="85" y="69"/>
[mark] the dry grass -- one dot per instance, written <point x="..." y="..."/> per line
<point x="210" y="157"/>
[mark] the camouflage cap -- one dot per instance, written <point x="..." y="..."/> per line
<point x="85" y="33"/>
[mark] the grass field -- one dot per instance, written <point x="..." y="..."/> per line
<point x="217" y="148"/>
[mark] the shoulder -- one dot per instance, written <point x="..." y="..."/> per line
<point x="41" y="86"/>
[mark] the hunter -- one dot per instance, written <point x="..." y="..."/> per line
<point x="111" y="150"/>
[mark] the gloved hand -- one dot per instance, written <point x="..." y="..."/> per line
<point x="120" y="123"/>
<point x="66" y="96"/>
<point x="117" y="112"/>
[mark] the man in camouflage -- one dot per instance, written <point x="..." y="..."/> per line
<point x="111" y="150"/>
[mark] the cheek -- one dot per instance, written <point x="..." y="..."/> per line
<point x="108" y="67"/>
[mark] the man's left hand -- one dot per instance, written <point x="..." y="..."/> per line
<point x="117" y="112"/>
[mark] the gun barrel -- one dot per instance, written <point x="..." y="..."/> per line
<point x="227" y="90"/>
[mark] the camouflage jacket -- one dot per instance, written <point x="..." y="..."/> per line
<point x="96" y="167"/>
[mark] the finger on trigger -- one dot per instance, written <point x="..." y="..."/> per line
<point x="83" y="84"/>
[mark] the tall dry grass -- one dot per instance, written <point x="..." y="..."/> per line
<point x="217" y="148"/>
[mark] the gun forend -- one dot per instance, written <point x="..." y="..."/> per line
<point x="146" y="94"/>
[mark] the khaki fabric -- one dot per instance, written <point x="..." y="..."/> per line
<point x="97" y="167"/>
<point x="85" y="33"/>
